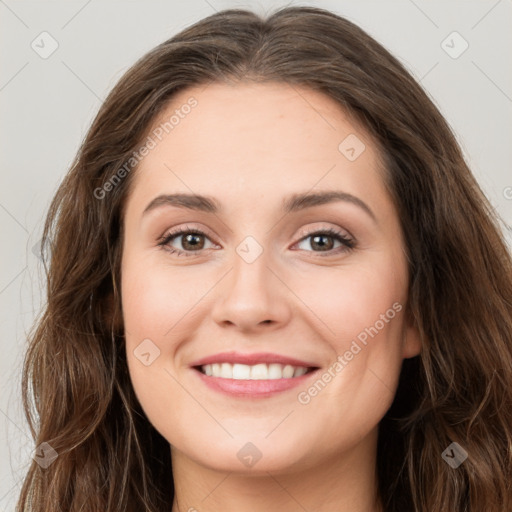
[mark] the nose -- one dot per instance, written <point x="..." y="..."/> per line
<point x="252" y="296"/>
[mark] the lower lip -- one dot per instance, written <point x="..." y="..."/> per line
<point x="252" y="388"/>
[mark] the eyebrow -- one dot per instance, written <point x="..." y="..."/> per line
<point x="293" y="203"/>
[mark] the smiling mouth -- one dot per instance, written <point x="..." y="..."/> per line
<point x="261" y="371"/>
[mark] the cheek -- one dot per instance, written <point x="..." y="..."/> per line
<point x="160" y="301"/>
<point x="349" y="301"/>
<point x="160" y="312"/>
<point x="360" y="311"/>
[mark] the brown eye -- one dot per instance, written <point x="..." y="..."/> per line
<point x="324" y="241"/>
<point x="190" y="240"/>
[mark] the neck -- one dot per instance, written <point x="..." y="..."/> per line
<point x="346" y="482"/>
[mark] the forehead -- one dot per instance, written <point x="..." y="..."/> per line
<point x="252" y="140"/>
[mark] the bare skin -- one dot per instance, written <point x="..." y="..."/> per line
<point x="251" y="146"/>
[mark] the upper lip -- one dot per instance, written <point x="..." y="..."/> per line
<point x="251" y="359"/>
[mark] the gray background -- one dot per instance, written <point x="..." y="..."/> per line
<point x="47" y="104"/>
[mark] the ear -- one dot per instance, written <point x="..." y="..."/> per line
<point x="411" y="345"/>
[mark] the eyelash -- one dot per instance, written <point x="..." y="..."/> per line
<point x="348" y="243"/>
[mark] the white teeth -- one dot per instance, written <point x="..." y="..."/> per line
<point x="256" y="372"/>
<point x="241" y="371"/>
<point x="275" y="371"/>
<point x="299" y="371"/>
<point x="226" y="371"/>
<point x="288" y="371"/>
<point x="259" y="372"/>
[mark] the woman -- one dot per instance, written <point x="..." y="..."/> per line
<point x="197" y="353"/>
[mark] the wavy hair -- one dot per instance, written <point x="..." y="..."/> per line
<point x="77" y="393"/>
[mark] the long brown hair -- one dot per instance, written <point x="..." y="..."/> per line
<point x="76" y="388"/>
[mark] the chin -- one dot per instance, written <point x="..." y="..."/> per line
<point x="254" y="457"/>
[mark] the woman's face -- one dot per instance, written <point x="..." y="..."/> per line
<point x="264" y="284"/>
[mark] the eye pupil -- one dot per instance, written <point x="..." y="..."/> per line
<point x="322" y="245"/>
<point x="189" y="240"/>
